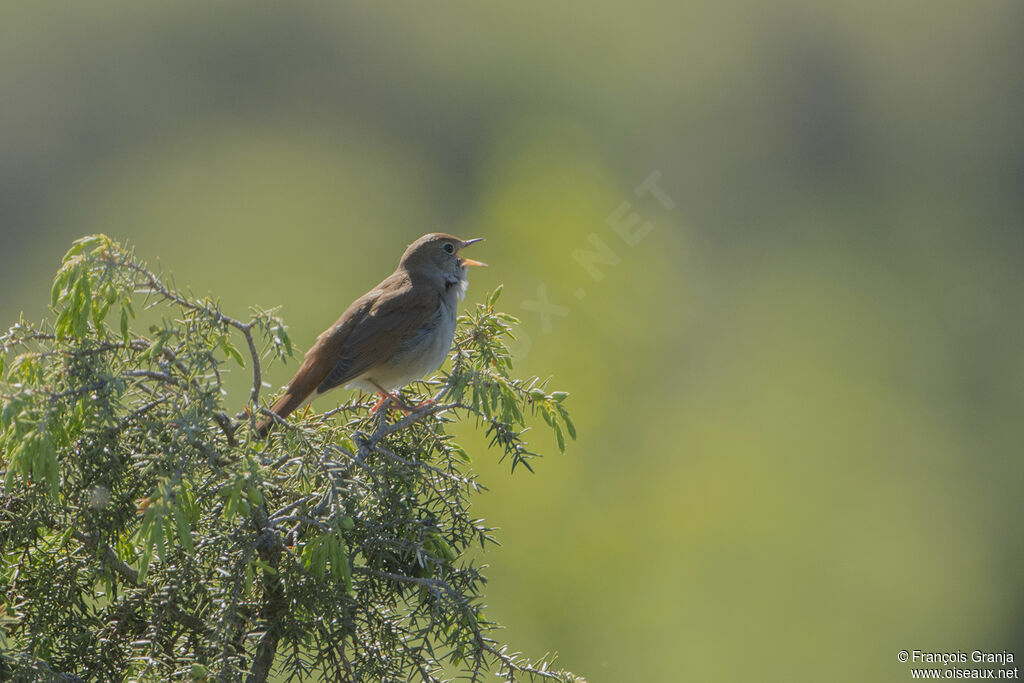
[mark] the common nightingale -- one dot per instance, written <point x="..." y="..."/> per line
<point x="397" y="332"/>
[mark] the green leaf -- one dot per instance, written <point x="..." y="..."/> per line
<point x="281" y="339"/>
<point x="76" y="248"/>
<point x="7" y="413"/>
<point x="147" y="557"/>
<point x="158" y="540"/>
<point x="568" y="422"/>
<point x="313" y="557"/>
<point x="58" y="285"/>
<point x="231" y="351"/>
<point x="184" y="532"/>
<point x="253" y="495"/>
<point x="157" y="347"/>
<point x="494" y="296"/>
<point x="339" y="563"/>
<point x="285" y="338"/>
<point x="51" y="472"/>
<point x="265" y="567"/>
<point x="338" y="558"/>
<point x="100" y="312"/>
<point x="83" y="304"/>
<point x="124" y="325"/>
<point x="559" y="437"/>
<point x="548" y="416"/>
<point x="87" y="242"/>
<point x="232" y="494"/>
<point x="148" y="518"/>
<point x="442" y="548"/>
<point x="62" y="326"/>
<point x="15" y="465"/>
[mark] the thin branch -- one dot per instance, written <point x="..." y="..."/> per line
<point x="131" y="576"/>
<point x="419" y="463"/>
<point x="109" y="557"/>
<point x="275" y="602"/>
<point x="152" y="374"/>
<point x="154" y="283"/>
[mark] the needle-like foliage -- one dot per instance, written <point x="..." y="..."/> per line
<point x="146" y="534"/>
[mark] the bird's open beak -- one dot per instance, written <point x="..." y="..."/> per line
<point x="469" y="261"/>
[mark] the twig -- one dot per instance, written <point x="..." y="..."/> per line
<point x="131" y="575"/>
<point x="153" y="282"/>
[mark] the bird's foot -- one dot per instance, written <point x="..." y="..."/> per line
<point x="386" y="396"/>
<point x="424" y="404"/>
<point x="377" y="406"/>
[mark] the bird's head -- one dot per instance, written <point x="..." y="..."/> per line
<point x="437" y="256"/>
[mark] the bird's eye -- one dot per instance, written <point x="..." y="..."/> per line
<point x="449" y="248"/>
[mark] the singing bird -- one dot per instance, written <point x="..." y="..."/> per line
<point x="397" y="332"/>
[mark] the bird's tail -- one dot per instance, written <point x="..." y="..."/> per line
<point x="284" y="407"/>
<point x="302" y="387"/>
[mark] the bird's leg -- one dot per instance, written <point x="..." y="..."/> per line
<point x="384" y="396"/>
<point x="400" y="404"/>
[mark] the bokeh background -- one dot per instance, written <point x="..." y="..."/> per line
<point x="799" y="395"/>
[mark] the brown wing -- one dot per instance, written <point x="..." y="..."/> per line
<point x="380" y="333"/>
<point x="367" y="333"/>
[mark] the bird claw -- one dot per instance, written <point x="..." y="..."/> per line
<point x="386" y="396"/>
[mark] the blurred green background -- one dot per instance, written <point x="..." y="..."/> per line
<point x="799" y="396"/>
